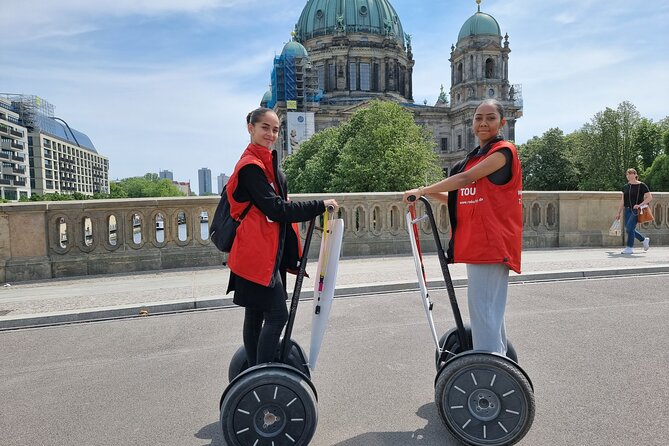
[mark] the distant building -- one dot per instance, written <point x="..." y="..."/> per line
<point x="61" y="158"/>
<point x="183" y="186"/>
<point x="166" y="174"/>
<point x="14" y="170"/>
<point x="204" y="181"/>
<point x="222" y="181"/>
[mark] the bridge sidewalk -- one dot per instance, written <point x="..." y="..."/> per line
<point x="103" y="297"/>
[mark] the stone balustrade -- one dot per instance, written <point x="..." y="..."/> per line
<point x="73" y="238"/>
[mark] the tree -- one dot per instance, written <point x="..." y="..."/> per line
<point x="657" y="176"/>
<point x="647" y="140"/>
<point x="311" y="168"/>
<point x="545" y="162"/>
<point x="150" y="185"/>
<point x="603" y="149"/>
<point x="380" y="149"/>
<point x="384" y="150"/>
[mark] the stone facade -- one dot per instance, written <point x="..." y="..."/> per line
<point x="78" y="238"/>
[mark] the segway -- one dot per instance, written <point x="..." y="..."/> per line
<point x="483" y="398"/>
<point x="275" y="404"/>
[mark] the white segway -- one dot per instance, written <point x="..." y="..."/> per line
<point x="275" y="404"/>
<point x="484" y="399"/>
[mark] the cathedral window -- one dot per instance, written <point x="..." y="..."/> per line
<point x="489" y="68"/>
<point x="365" y="84"/>
<point x="444" y="144"/>
<point x="332" y="81"/>
<point x="375" y="78"/>
<point x="459" y="142"/>
<point x="320" y="69"/>
<point x="352" y="79"/>
<point x="458" y="75"/>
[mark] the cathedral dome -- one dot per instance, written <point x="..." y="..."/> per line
<point x="480" y="24"/>
<point x="294" y="49"/>
<point x="329" y="17"/>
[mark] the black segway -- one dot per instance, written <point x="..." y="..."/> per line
<point x="483" y="398"/>
<point x="272" y="404"/>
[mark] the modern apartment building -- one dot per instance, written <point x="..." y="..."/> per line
<point x="14" y="170"/>
<point x="62" y="159"/>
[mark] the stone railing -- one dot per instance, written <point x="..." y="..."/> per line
<point x="74" y="238"/>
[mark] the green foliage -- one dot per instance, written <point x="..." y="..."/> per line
<point x="603" y="149"/>
<point x="647" y="140"/>
<point x="380" y="149"/>
<point x="657" y="176"/>
<point x="150" y="185"/>
<point x="545" y="162"/>
<point x="311" y="168"/>
<point x="665" y="142"/>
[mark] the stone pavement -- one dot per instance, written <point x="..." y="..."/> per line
<point x="86" y="298"/>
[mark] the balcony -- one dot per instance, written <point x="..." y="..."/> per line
<point x="4" y="130"/>
<point x="19" y="169"/>
<point x="18" y="157"/>
<point x="5" y="181"/>
<point x="16" y="133"/>
<point x="12" y="145"/>
<point x="19" y="182"/>
<point x="5" y="156"/>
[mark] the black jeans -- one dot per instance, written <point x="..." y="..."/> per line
<point x="262" y="340"/>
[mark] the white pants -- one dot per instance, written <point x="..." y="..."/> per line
<point x="487" y="286"/>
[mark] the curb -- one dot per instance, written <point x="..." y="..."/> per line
<point x="217" y="302"/>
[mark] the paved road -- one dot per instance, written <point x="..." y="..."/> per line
<point x="597" y="351"/>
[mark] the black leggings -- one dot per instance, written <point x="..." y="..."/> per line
<point x="262" y="340"/>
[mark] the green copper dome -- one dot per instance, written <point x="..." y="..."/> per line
<point x="329" y="17"/>
<point x="480" y="24"/>
<point x="294" y="49"/>
<point x="266" y="98"/>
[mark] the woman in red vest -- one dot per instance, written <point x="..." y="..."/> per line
<point x="484" y="196"/>
<point x="266" y="243"/>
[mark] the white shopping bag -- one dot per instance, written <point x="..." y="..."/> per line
<point x="615" y="230"/>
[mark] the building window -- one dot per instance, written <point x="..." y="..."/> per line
<point x="375" y="78"/>
<point x="458" y="74"/>
<point x="489" y="68"/>
<point x="352" y="79"/>
<point x="459" y="142"/>
<point x="332" y="79"/>
<point x="444" y="144"/>
<point x="364" y="77"/>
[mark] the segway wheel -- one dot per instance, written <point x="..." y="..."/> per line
<point x="485" y="399"/>
<point x="269" y="406"/>
<point x="296" y="358"/>
<point x="450" y="342"/>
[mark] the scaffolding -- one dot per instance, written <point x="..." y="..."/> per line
<point x="29" y="106"/>
<point x="295" y="80"/>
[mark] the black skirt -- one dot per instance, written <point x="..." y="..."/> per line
<point x="252" y="295"/>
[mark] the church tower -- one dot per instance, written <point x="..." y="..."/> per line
<point x="480" y="70"/>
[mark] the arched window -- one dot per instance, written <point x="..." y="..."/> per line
<point x="458" y="73"/>
<point x="489" y="68"/>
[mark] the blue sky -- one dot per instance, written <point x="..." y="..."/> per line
<point x="166" y="84"/>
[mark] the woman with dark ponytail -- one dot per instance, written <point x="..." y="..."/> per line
<point x="267" y="242"/>
<point x="484" y="196"/>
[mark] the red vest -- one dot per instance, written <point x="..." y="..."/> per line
<point x="254" y="252"/>
<point x="490" y="217"/>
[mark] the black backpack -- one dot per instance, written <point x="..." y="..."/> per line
<point x="223" y="227"/>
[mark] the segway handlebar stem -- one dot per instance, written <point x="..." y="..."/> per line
<point x="295" y="300"/>
<point x="443" y="262"/>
